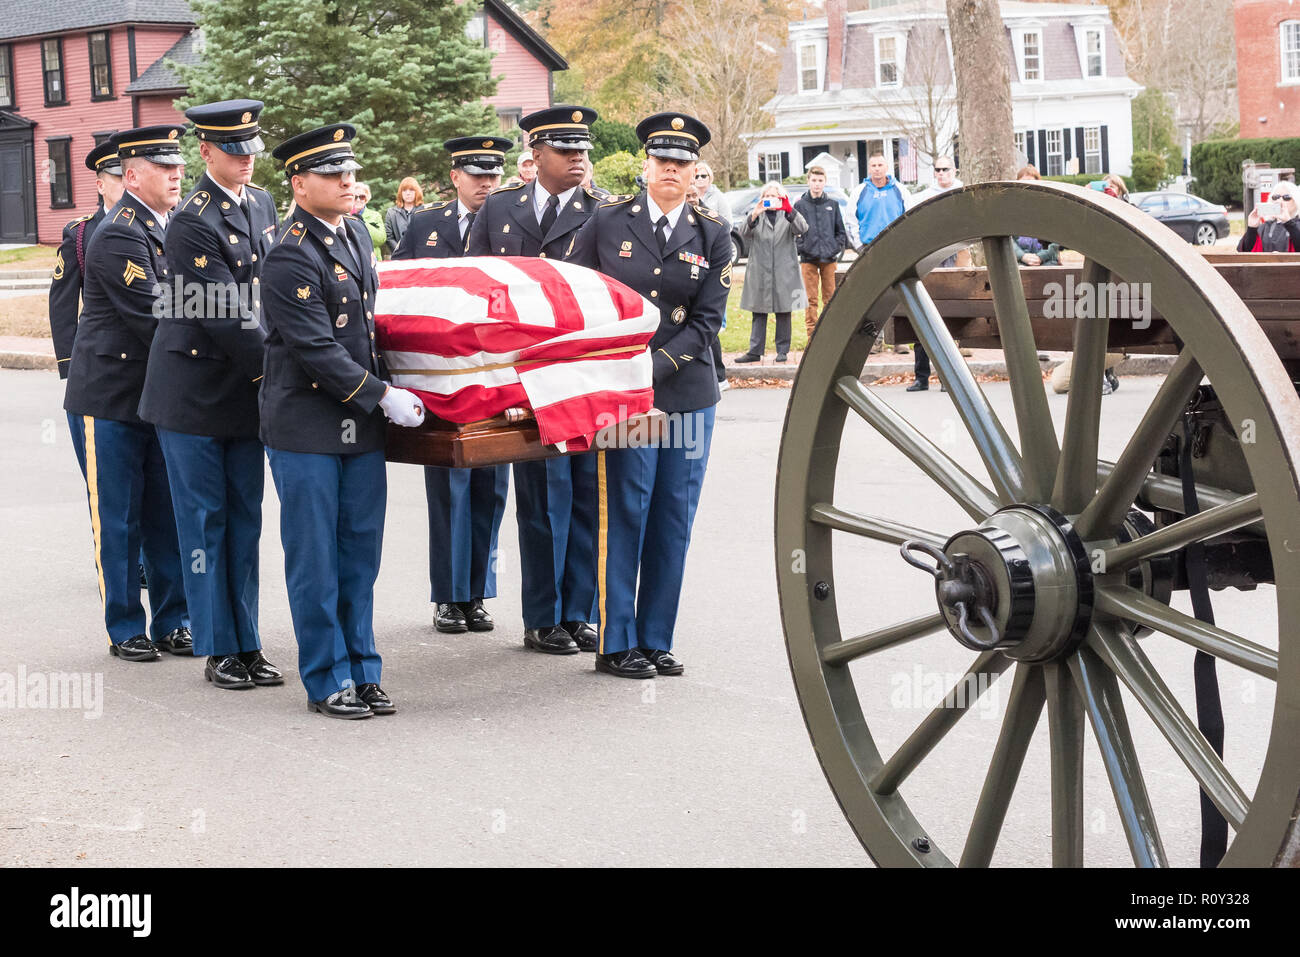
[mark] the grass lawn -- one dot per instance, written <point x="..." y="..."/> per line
<point x="735" y="338"/>
<point x="25" y="316"/>
<point x="29" y="257"/>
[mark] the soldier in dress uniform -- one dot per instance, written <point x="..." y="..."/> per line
<point x="465" y="505"/>
<point x="678" y="256"/>
<point x="320" y="403"/>
<point x="130" y="503"/>
<point x="65" y="287"/>
<point x="555" y="499"/>
<point x="200" y="390"/>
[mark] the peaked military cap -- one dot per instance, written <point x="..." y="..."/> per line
<point x="103" y="159"/>
<point x="158" y="144"/>
<point x="673" y="136"/>
<point x="563" y="127"/>
<point x="230" y="124"/>
<point x="327" y="149"/>
<point x="479" y="155"/>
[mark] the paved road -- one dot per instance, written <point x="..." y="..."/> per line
<point x="500" y="756"/>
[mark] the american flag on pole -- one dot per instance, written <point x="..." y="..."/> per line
<point x="473" y="337"/>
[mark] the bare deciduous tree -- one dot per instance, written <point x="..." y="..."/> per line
<point x="979" y="49"/>
<point x="924" y="108"/>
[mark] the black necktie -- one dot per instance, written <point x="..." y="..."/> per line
<point x="661" y="232"/>
<point x="248" y="214"/>
<point x="469" y="222"/>
<point x="347" y="245"/>
<point x="549" y="214"/>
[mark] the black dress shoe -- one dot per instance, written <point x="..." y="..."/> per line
<point x="449" y="619"/>
<point x="626" y="664"/>
<point x="664" y="661"/>
<point x="341" y="704"/>
<point x="178" y="641"/>
<point x="748" y="358"/>
<point x="261" y="671"/>
<point x="551" y="641"/>
<point x="374" y="696"/>
<point x="476" y="615"/>
<point x="228" y="672"/>
<point x="919" y="386"/>
<point x="781" y="357"/>
<point x="584" y="636"/>
<point x="138" y="648"/>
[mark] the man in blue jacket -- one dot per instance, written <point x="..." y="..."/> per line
<point x="878" y="200"/>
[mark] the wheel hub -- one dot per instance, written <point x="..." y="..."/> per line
<point x="1021" y="582"/>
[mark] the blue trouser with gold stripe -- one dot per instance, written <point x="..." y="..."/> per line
<point x="647" y="499"/>
<point x="131" y="515"/>
<point x="332" y="530"/>
<point x="78" y="430"/>
<point x="216" y="487"/>
<point x="465" y="509"/>
<point x="555" y="502"/>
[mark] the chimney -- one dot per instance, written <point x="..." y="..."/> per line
<point x="835" y="44"/>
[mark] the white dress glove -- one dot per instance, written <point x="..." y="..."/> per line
<point x="402" y="407"/>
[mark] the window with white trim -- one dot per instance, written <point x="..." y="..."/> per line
<point x="1055" y="154"/>
<point x="1092" y="149"/>
<point x="1094" y="57"/>
<point x="1020" y="143"/>
<point x="1290" y="35"/>
<point x="888" y="69"/>
<point x="772" y="167"/>
<point x="1031" y="56"/>
<point x="809" y="81"/>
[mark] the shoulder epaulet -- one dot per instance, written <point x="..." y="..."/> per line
<point x="502" y="189"/>
<point x="593" y="194"/>
<point x="708" y="214"/>
<point x="125" y="214"/>
<point x="441" y="204"/>
<point x="296" y="231"/>
<point x="260" y="189"/>
<point x="198" y="200"/>
<point x="79" y="219"/>
<point x="616" y="201"/>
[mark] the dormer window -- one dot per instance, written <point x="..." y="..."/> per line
<point x="809" y="80"/>
<point x="1028" y="44"/>
<point x="889" y="61"/>
<point x="1094" y="57"/>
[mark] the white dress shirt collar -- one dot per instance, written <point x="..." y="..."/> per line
<point x="655" y="213"/>
<point x="161" y="218"/>
<point x="540" y="196"/>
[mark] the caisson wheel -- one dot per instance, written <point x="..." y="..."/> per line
<point x="1056" y="578"/>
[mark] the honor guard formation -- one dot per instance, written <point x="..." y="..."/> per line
<point x="266" y="328"/>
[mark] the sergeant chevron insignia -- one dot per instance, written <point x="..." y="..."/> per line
<point x="58" y="265"/>
<point x="132" y="273"/>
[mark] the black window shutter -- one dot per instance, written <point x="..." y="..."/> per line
<point x="785" y="166"/>
<point x="762" y="167"/>
<point x="1066" y="145"/>
<point x="1042" y="152"/>
<point x="1078" y="148"/>
<point x="1029" y="148"/>
<point x="1105" y="151"/>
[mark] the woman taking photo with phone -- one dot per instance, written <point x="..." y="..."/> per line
<point x="772" y="279"/>
<point x="1272" y="226"/>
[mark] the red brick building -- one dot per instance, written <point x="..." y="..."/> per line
<point x="1268" y="67"/>
<point x="74" y="72"/>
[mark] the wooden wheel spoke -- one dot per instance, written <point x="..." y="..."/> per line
<point x="869" y="526"/>
<point x="1065" y="726"/>
<point x="1198" y="528"/>
<point x="939" y="722"/>
<point x="1005" y="466"/>
<point x="977" y="501"/>
<point x="1076" y="478"/>
<point x="1130" y="663"/>
<point x="1128" y="603"/>
<point x="1105" y="709"/>
<point x="1024" y="705"/>
<point x="850" y="649"/>
<point x="1108" y="507"/>
<point x="1038" y="445"/>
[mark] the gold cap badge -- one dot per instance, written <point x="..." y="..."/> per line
<point x="171" y="134"/>
<point x="246" y="118"/>
<point x="338" y="135"/>
<point x="577" y="116"/>
<point x="487" y="144"/>
<point x="678" y="123"/>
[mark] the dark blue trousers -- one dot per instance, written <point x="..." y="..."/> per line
<point x="332" y="529"/>
<point x="555" y="503"/>
<point x="465" y="509"/>
<point x="217" y="489"/>
<point x="130" y="516"/>
<point x="647" y="506"/>
<point x="78" y="430"/>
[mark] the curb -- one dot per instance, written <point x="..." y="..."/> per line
<point x="1133" y="365"/>
<point x="27" y="360"/>
<point x="33" y="283"/>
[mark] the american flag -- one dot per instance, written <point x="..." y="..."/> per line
<point x="473" y="337"/>
<point x="907" y="171"/>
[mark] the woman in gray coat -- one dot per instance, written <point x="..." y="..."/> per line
<point x="772" y="279"/>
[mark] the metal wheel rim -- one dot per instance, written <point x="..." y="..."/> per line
<point x="1216" y="327"/>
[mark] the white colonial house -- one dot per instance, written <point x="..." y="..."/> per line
<point x="848" y="88"/>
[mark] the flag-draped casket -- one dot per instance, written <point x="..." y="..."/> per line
<point x="474" y="337"/>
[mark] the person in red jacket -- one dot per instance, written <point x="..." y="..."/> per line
<point x="1273" y="233"/>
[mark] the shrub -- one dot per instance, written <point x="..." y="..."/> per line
<point x="617" y="172"/>
<point x="609" y="137"/>
<point x="1217" y="164"/>
<point x="1148" y="173"/>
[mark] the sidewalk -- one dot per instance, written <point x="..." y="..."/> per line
<point x="23" y="352"/>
